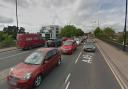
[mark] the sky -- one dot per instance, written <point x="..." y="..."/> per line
<point x="85" y="14"/>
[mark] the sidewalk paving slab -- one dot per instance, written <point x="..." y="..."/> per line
<point x="118" y="58"/>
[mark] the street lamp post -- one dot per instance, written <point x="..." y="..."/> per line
<point x="17" y="16"/>
<point x="125" y="27"/>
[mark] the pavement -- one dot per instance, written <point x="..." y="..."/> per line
<point x="81" y="70"/>
<point x="117" y="61"/>
<point x="7" y="49"/>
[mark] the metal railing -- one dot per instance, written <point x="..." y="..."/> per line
<point x="116" y="44"/>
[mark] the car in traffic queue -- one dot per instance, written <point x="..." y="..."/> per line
<point x="54" y="42"/>
<point x="29" y="73"/>
<point x="89" y="47"/>
<point x="78" y="41"/>
<point x="68" y="47"/>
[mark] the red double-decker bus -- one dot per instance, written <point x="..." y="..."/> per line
<point x="28" y="41"/>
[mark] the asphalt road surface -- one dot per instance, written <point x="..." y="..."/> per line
<point x="82" y="70"/>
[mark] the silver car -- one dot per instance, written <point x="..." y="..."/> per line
<point x="89" y="47"/>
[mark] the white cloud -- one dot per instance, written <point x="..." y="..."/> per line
<point x="35" y="13"/>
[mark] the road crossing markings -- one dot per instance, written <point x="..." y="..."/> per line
<point x="87" y="61"/>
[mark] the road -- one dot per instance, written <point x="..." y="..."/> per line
<point x="81" y="70"/>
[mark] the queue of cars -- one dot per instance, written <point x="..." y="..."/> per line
<point x="29" y="73"/>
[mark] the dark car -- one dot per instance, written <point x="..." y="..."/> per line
<point x="28" y="74"/>
<point x="54" y="42"/>
<point x="90" y="47"/>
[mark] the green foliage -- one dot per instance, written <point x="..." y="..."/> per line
<point x="6" y="40"/>
<point x="79" y="32"/>
<point x="13" y="30"/>
<point x="109" y="32"/>
<point x="1" y="36"/>
<point x="98" y="32"/>
<point x="70" y="31"/>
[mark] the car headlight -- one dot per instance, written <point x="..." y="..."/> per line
<point x="27" y="76"/>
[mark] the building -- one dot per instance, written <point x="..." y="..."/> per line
<point x="50" y="31"/>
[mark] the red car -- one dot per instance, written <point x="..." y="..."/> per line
<point x="68" y="47"/>
<point x="29" y="73"/>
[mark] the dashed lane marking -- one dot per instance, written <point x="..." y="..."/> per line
<point x="78" y="57"/>
<point x="67" y="78"/>
<point x="67" y="85"/>
<point x="13" y="55"/>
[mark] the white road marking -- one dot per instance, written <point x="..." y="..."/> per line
<point x="67" y="78"/>
<point x="14" y="55"/>
<point x="9" y="51"/>
<point x="67" y="85"/>
<point x="118" y="78"/>
<point x="87" y="61"/>
<point x="87" y="56"/>
<point x="78" y="57"/>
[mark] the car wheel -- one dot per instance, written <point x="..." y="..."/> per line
<point x="38" y="81"/>
<point x="29" y="48"/>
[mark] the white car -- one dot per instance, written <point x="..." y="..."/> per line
<point x="78" y="42"/>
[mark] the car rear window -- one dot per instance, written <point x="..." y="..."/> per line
<point x="67" y="43"/>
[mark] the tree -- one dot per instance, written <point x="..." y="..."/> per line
<point x="70" y="31"/>
<point x="21" y="30"/>
<point x="13" y="30"/>
<point x="98" y="32"/>
<point x="6" y="40"/>
<point x="109" y="32"/>
<point x="79" y="32"/>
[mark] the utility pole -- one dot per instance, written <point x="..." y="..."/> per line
<point x="125" y="27"/>
<point x="17" y="16"/>
<point x="98" y="22"/>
